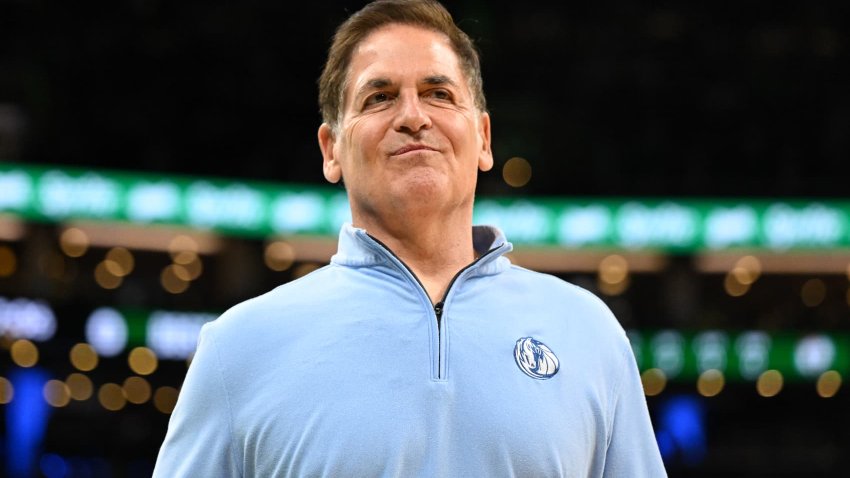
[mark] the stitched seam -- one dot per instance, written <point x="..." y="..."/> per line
<point x="616" y="396"/>
<point x="233" y="448"/>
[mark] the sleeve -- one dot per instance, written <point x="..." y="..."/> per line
<point x="632" y="448"/>
<point x="199" y="440"/>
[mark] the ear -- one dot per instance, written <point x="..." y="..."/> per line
<point x="485" y="155"/>
<point x="330" y="165"/>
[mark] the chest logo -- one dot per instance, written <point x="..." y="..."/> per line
<point x="535" y="359"/>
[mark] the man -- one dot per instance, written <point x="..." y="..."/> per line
<point x="419" y="350"/>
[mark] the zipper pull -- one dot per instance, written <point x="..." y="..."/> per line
<point x="438" y="309"/>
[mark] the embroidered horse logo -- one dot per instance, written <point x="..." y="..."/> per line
<point x="535" y="359"/>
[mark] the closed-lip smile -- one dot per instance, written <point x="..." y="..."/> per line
<point x="412" y="147"/>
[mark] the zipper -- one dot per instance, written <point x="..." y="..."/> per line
<point x="439" y="306"/>
<point x="438" y="312"/>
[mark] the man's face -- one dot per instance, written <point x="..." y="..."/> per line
<point x="410" y="138"/>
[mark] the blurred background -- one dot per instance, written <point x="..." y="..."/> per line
<point x="685" y="161"/>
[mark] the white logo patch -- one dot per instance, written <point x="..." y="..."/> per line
<point x="535" y="359"/>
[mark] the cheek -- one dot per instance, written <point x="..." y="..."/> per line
<point x="358" y="151"/>
<point x="464" y="136"/>
<point x="345" y="148"/>
<point x="362" y="139"/>
<point x="348" y="139"/>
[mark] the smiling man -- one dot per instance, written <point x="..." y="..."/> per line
<point x="419" y="350"/>
<point x="409" y="140"/>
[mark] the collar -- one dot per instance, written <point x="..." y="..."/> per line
<point x="358" y="249"/>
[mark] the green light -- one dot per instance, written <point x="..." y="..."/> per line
<point x="259" y="209"/>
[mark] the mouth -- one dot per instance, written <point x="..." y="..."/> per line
<point x="411" y="147"/>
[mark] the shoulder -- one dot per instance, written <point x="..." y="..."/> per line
<point x="558" y="290"/>
<point x="286" y="302"/>
<point x="575" y="305"/>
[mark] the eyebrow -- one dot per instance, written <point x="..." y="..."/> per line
<point x="439" y="80"/>
<point x="378" y="83"/>
<point x="373" y="84"/>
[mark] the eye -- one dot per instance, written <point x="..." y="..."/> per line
<point x="440" y="94"/>
<point x="376" y="98"/>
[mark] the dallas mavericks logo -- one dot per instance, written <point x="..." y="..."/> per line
<point x="535" y="359"/>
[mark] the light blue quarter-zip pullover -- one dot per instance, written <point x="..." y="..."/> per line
<point x="351" y="371"/>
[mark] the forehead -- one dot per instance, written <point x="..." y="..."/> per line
<point x="398" y="52"/>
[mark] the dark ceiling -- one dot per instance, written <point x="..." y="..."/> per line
<point x="603" y="98"/>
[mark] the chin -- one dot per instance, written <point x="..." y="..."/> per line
<point x="420" y="191"/>
<point x="423" y="182"/>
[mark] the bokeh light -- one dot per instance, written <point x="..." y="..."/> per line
<point x="137" y="390"/>
<point x="613" y="269"/>
<point x="79" y="386"/>
<point x="654" y="380"/>
<point x="613" y="275"/>
<point x="769" y="383"/>
<point x="711" y="382"/>
<point x="190" y="262"/>
<point x="747" y="269"/>
<point x="828" y="384"/>
<point x="56" y="393"/>
<point x="105" y="277"/>
<point x="7" y="391"/>
<point x="181" y="272"/>
<point x="165" y="398"/>
<point x="74" y="242"/>
<point x="616" y="288"/>
<point x="142" y="361"/>
<point x="279" y="256"/>
<point x="111" y="397"/>
<point x="733" y="286"/>
<point x="182" y="243"/>
<point x="743" y="276"/>
<point x="24" y="353"/>
<point x="120" y="261"/>
<point x="516" y="172"/>
<point x="171" y="281"/>
<point x="83" y="357"/>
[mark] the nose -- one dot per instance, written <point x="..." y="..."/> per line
<point x="411" y="117"/>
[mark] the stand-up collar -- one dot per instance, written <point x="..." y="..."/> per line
<point x="357" y="249"/>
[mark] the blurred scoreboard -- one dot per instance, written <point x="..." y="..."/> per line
<point x="259" y="209"/>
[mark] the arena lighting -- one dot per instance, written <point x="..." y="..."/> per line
<point x="814" y="355"/>
<point x="22" y="318"/>
<point x="261" y="209"/>
<point x="174" y="335"/>
<point x="740" y="355"/>
<point x="561" y="260"/>
<point x="144" y="237"/>
<point x="107" y="331"/>
<point x="681" y="429"/>
<point x="310" y="248"/>
<point x="11" y="227"/>
<point x="26" y="420"/>
<point x="798" y="262"/>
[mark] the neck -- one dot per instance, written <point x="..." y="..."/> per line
<point x="435" y="248"/>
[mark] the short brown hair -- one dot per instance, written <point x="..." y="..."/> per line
<point x="428" y="14"/>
